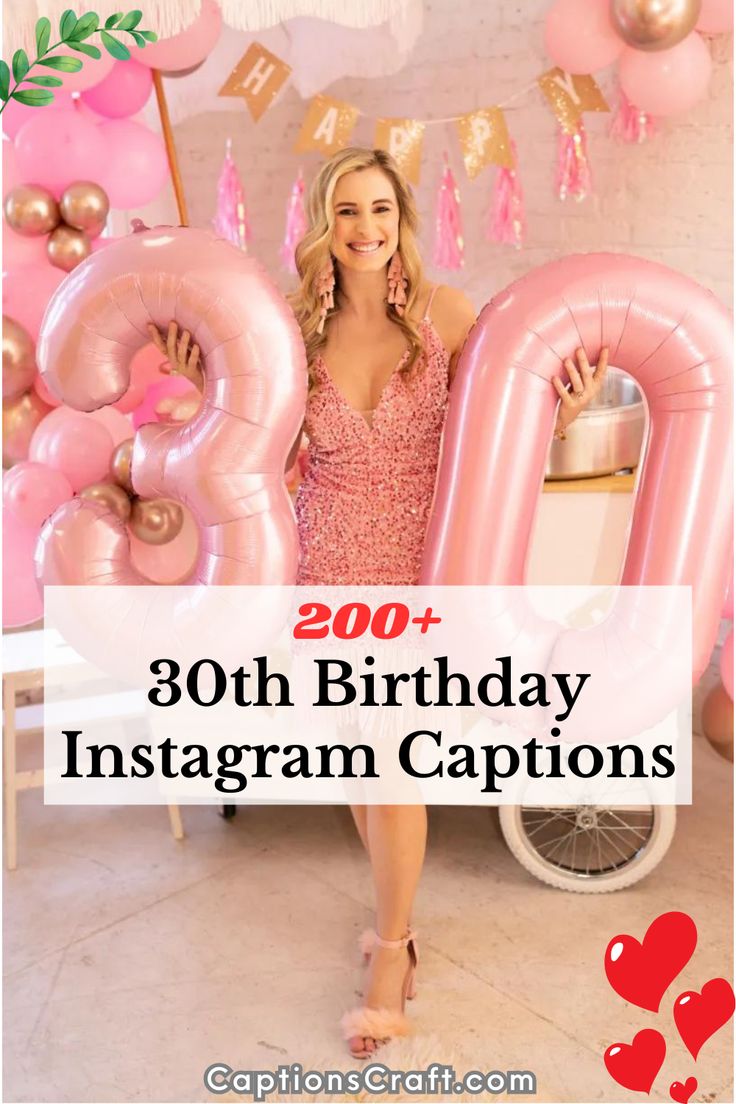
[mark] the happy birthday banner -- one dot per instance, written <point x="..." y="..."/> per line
<point x="483" y="134"/>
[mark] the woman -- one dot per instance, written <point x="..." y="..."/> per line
<point x="382" y="348"/>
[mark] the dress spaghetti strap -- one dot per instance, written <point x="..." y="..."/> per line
<point x="429" y="303"/>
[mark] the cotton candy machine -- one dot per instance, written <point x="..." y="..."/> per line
<point x="606" y="437"/>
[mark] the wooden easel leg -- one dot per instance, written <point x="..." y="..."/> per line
<point x="177" y="828"/>
<point x="9" y="790"/>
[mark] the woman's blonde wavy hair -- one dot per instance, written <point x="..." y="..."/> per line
<point x="313" y="251"/>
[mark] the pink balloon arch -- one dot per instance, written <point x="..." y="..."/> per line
<point x="675" y="339"/>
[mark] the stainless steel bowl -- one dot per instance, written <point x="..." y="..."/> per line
<point x="606" y="437"/>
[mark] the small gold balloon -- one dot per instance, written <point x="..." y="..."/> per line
<point x="120" y="465"/>
<point x="717" y="721"/>
<point x="156" y="520"/>
<point x="654" y="24"/>
<point x="19" y="359"/>
<point x="68" y="247"/>
<point x="20" y="418"/>
<point x="85" y="206"/>
<point x="110" y="495"/>
<point x="31" y="210"/>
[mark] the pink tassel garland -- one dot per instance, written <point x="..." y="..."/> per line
<point x="296" y="224"/>
<point x="231" y="217"/>
<point x="573" y="168"/>
<point x="506" y="221"/>
<point x="630" y="124"/>
<point x="448" y="244"/>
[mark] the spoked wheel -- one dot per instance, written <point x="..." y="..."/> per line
<point x="588" y="848"/>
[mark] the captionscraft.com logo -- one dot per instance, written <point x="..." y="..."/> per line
<point x="376" y="1079"/>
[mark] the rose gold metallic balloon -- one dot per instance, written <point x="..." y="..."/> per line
<point x="654" y="24"/>
<point x="19" y="360"/>
<point x="68" y="247"/>
<point x="31" y="210"/>
<point x="20" y="418"/>
<point x="120" y="465"/>
<point x="110" y="495"/>
<point x="717" y="721"/>
<point x="85" y="206"/>
<point x="156" y="520"/>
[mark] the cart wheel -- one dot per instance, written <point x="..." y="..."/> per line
<point x="227" y="812"/>
<point x="588" y="848"/>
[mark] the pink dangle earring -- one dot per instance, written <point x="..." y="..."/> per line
<point x="397" y="282"/>
<point x="325" y="292"/>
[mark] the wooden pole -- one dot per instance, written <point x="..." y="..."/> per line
<point x="163" y="112"/>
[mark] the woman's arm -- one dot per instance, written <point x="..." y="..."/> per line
<point x="294" y="451"/>
<point x="453" y="316"/>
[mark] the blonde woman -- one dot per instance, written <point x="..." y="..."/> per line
<point x="382" y="347"/>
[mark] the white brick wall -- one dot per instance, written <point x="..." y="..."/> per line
<point x="669" y="199"/>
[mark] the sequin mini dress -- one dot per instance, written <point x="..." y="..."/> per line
<point x="363" y="507"/>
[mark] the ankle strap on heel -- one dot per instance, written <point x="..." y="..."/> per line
<point x="396" y="943"/>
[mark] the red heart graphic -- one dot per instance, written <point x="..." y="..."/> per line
<point x="682" y="1093"/>
<point x="635" y="1065"/>
<point x="699" y="1015"/>
<point x="641" y="972"/>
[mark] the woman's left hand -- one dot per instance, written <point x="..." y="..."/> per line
<point x="586" y="384"/>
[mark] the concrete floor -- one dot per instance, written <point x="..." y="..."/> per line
<point x="132" y="961"/>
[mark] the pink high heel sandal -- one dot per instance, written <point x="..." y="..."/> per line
<point x="381" y="1024"/>
<point x="366" y="941"/>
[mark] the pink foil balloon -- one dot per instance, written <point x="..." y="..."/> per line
<point x="136" y="167"/>
<point x="22" y="601"/>
<point x="75" y="444"/>
<point x="123" y="91"/>
<point x="55" y="148"/>
<point x="44" y="393"/>
<point x="727" y="664"/>
<point x="226" y="464"/>
<point x="674" y="338"/>
<point x="667" y="82"/>
<point x="33" y="491"/>
<point x="579" y="36"/>
<point x="188" y="47"/>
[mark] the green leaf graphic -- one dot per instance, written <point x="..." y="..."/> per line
<point x="85" y="48"/>
<point x="20" y="65"/>
<point x="86" y="26"/>
<point x="130" y="21"/>
<point x="43" y="35"/>
<point x="150" y="36"/>
<point x="46" y="82"/>
<point x="62" y="63"/>
<point x="33" y="97"/>
<point x="122" y="53"/>
<point x="67" y="23"/>
<point x="4" y="80"/>
<point x="112" y="19"/>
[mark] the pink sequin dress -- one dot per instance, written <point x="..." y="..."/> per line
<point x="363" y="507"/>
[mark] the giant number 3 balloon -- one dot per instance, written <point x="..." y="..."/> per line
<point x="674" y="338"/>
<point x="227" y="463"/>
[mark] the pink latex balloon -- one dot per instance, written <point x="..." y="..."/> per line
<point x="123" y="91"/>
<point x="116" y="422"/>
<point x="170" y="563"/>
<point x="667" y="82"/>
<point x="22" y="600"/>
<point x="715" y="16"/>
<point x="674" y="337"/>
<point x="75" y="444"/>
<point x="10" y="166"/>
<point x="226" y="464"/>
<point x="136" y="167"/>
<point x="33" y="491"/>
<point x="190" y="46"/>
<point x="21" y="250"/>
<point x="163" y="389"/>
<point x="727" y="610"/>
<point x="26" y="291"/>
<point x="92" y="72"/>
<point x="16" y="114"/>
<point x="579" y="36"/>
<point x="55" y="148"/>
<point x="727" y="664"/>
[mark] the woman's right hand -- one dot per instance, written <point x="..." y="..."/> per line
<point x="183" y="359"/>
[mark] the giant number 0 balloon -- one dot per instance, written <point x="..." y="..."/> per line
<point x="227" y="463"/>
<point x="674" y="338"/>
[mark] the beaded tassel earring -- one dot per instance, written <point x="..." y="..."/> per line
<point x="325" y="290"/>
<point x="397" y="282"/>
